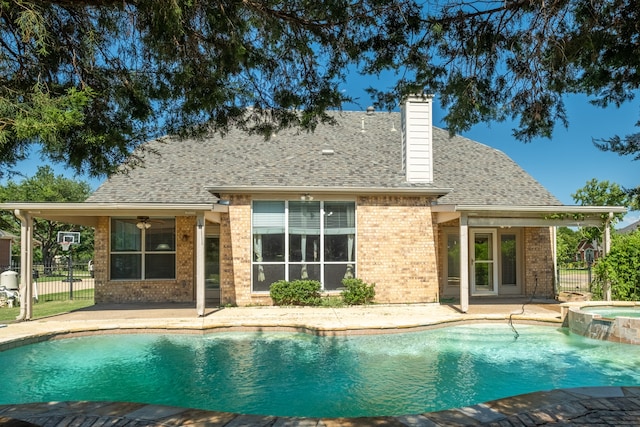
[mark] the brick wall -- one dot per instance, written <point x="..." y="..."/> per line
<point x="396" y="248"/>
<point x="538" y="262"/>
<point x="128" y="291"/>
<point x="235" y="254"/>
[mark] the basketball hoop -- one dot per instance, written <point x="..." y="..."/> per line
<point x="65" y="245"/>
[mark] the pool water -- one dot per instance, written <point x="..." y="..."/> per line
<point x="302" y="375"/>
<point x="612" y="312"/>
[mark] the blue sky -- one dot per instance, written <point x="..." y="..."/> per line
<point x="563" y="164"/>
<point x="566" y="162"/>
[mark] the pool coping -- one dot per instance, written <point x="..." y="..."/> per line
<point x="573" y="406"/>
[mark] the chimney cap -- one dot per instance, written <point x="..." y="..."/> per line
<point x="370" y="109"/>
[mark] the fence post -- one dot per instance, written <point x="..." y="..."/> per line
<point x="70" y="275"/>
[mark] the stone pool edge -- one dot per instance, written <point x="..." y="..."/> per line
<point x="574" y="406"/>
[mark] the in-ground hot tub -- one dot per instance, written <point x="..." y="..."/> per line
<point x="605" y="320"/>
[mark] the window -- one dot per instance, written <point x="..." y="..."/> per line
<point x="508" y="255"/>
<point x="453" y="259"/>
<point x="139" y="254"/>
<point x="303" y="240"/>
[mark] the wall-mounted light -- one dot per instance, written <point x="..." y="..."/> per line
<point x="143" y="223"/>
<point x="306" y="197"/>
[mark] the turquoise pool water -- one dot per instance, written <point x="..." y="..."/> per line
<point x="302" y="375"/>
<point x="613" y="311"/>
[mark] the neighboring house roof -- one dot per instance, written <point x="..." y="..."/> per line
<point x="629" y="228"/>
<point x="5" y="235"/>
<point x="367" y="154"/>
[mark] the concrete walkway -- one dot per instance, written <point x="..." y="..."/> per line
<point x="575" y="407"/>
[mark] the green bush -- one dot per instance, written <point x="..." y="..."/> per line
<point x="358" y="292"/>
<point x="297" y="292"/>
<point x="621" y="268"/>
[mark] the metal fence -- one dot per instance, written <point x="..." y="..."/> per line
<point x="57" y="282"/>
<point x="574" y="279"/>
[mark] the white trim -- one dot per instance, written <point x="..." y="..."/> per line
<point x="529" y="209"/>
<point x="464" y="264"/>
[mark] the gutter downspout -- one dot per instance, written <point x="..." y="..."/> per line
<point x="26" y="265"/>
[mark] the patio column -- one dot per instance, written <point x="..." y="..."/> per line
<point x="26" y="265"/>
<point x="464" y="263"/>
<point x="607" y="247"/>
<point x="200" y="279"/>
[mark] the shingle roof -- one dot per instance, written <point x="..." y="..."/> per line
<point x="367" y="153"/>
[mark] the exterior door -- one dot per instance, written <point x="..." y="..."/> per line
<point x="212" y="269"/>
<point x="483" y="271"/>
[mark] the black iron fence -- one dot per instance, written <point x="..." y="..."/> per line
<point x="574" y="279"/>
<point x="57" y="282"/>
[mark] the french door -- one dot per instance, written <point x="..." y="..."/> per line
<point x="483" y="257"/>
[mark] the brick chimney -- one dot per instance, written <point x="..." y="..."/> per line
<point x="417" y="138"/>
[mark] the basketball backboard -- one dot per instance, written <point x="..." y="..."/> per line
<point x="69" y="236"/>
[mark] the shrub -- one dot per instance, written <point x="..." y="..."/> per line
<point x="297" y="292"/>
<point x="621" y="268"/>
<point x="358" y="292"/>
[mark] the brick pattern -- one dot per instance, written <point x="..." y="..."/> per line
<point x="538" y="262"/>
<point x="236" y="255"/>
<point x="128" y="291"/>
<point x="396" y="248"/>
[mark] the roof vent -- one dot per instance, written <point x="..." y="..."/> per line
<point x="328" y="151"/>
<point x="370" y="110"/>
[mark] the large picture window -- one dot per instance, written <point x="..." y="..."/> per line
<point x="303" y="240"/>
<point x="143" y="253"/>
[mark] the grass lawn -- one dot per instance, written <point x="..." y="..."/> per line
<point x="44" y="309"/>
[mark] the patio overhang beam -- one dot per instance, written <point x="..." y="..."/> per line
<point x="414" y="191"/>
<point x="526" y="216"/>
<point x="88" y="213"/>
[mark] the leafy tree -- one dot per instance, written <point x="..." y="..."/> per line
<point x="91" y="79"/>
<point x="620" y="268"/>
<point x="45" y="186"/>
<point x="567" y="241"/>
<point x="601" y="193"/>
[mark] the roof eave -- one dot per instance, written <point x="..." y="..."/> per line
<point x="86" y="213"/>
<point x="549" y="209"/>
<point x="252" y="189"/>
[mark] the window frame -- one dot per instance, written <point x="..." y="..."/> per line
<point x="142" y="253"/>
<point x="287" y="264"/>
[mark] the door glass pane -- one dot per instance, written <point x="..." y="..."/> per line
<point x="484" y="276"/>
<point x="508" y="259"/>
<point x="483" y="247"/>
<point x="212" y="263"/>
<point x="483" y="262"/>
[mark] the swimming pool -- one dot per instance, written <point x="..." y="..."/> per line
<point x="612" y="312"/>
<point x="289" y="374"/>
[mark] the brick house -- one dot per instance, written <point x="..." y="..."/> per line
<point x="385" y="197"/>
<point x="6" y="241"/>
